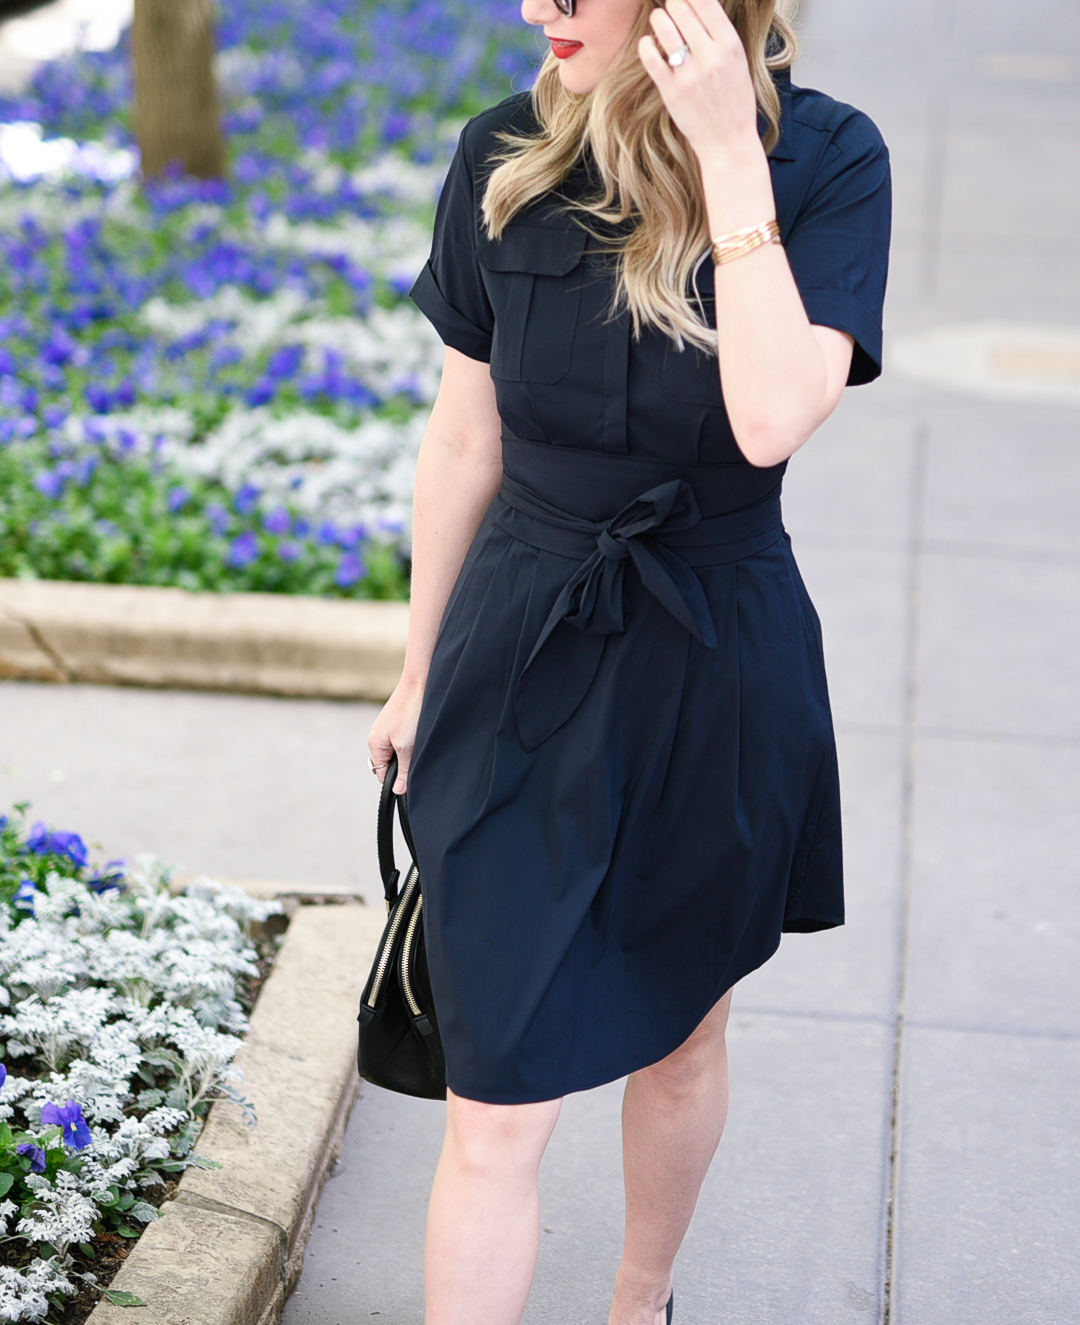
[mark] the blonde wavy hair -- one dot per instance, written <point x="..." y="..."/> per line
<point x="648" y="171"/>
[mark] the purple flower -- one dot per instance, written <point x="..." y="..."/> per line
<point x="178" y="498"/>
<point x="350" y="569"/>
<point x="36" y="1156"/>
<point x="217" y="517"/>
<point x="84" y="470"/>
<point x="49" y="483"/>
<point x="70" y="1120"/>
<point x="25" y="895"/>
<point x="395" y="126"/>
<point x="277" y="521"/>
<point x="70" y="845"/>
<point x="245" y="499"/>
<point x="288" y="551"/>
<point x="348" y="538"/>
<point x="328" y="534"/>
<point x="3" y="1075"/>
<point x="243" y="550"/>
<point x="261" y="393"/>
<point x="285" y="362"/>
<point x="110" y="876"/>
<point x="46" y="843"/>
<point x="38" y="837"/>
<point x="99" y="398"/>
<point x="59" y="348"/>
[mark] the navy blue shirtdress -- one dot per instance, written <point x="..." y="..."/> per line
<point x="624" y="786"/>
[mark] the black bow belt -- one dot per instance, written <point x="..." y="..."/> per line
<point x="663" y="535"/>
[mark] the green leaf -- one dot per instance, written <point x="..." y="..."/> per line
<point x="144" y="1212"/>
<point x="126" y="1231"/>
<point x="121" y="1299"/>
<point x="88" y="1251"/>
<point x="203" y="1162"/>
<point x="7" y="1181"/>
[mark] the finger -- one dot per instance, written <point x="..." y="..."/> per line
<point x="655" y="62"/>
<point x="401" y="785"/>
<point x="666" y="32"/>
<point x="381" y="750"/>
<point x="705" y="18"/>
<point x="684" y="18"/>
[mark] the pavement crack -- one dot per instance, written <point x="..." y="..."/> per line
<point x="913" y="594"/>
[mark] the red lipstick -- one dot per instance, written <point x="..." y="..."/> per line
<point x="562" y="49"/>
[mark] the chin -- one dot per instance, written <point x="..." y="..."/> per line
<point x="575" y="80"/>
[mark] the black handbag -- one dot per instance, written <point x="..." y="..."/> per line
<point x="399" y="1046"/>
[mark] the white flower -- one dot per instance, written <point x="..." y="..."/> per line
<point x="60" y="1214"/>
<point x="24" y="1293"/>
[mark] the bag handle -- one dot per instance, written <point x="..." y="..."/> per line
<point x="384" y="831"/>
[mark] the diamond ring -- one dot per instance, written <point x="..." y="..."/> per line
<point x="677" y="57"/>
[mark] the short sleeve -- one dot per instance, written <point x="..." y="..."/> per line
<point x="838" y="246"/>
<point x="449" y="290"/>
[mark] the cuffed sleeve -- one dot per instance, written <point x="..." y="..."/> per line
<point x="449" y="290"/>
<point x="839" y="243"/>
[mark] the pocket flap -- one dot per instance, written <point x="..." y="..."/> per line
<point x="536" y="248"/>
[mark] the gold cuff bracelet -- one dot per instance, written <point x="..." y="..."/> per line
<point x="726" y="248"/>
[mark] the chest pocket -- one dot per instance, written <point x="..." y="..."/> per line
<point x="534" y="276"/>
<point x="693" y="375"/>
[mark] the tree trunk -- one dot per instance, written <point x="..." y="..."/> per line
<point x="176" y="100"/>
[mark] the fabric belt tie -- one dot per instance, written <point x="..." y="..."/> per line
<point x="559" y="671"/>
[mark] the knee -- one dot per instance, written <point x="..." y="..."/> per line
<point x="500" y="1137"/>
<point x="696" y="1064"/>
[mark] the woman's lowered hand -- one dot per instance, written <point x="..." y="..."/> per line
<point x="394" y="732"/>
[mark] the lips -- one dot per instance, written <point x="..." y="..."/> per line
<point x="562" y="49"/>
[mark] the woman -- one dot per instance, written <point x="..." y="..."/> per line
<point x="623" y="780"/>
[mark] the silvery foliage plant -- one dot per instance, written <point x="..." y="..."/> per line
<point x="119" y="1023"/>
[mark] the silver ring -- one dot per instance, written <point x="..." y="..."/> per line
<point x="678" y="57"/>
<point x="373" y="766"/>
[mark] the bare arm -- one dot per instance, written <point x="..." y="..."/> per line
<point x="458" y="472"/>
<point x="782" y="376"/>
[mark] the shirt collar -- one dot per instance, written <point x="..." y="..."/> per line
<point x="785" y="146"/>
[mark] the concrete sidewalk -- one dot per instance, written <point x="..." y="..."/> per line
<point x="903" y="1136"/>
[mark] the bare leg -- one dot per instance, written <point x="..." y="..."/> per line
<point x="483" y="1229"/>
<point x="673" y="1116"/>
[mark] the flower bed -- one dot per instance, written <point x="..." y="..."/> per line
<point x="222" y="385"/>
<point x="121" y="1009"/>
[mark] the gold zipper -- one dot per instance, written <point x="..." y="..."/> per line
<point x="391" y="934"/>
<point x="406" y="947"/>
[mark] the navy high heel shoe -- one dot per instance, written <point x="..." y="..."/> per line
<point x="670" y="1306"/>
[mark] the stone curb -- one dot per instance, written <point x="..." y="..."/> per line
<point x="230" y="1246"/>
<point x="259" y="643"/>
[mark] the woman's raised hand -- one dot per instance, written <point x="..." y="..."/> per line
<point x="710" y="96"/>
